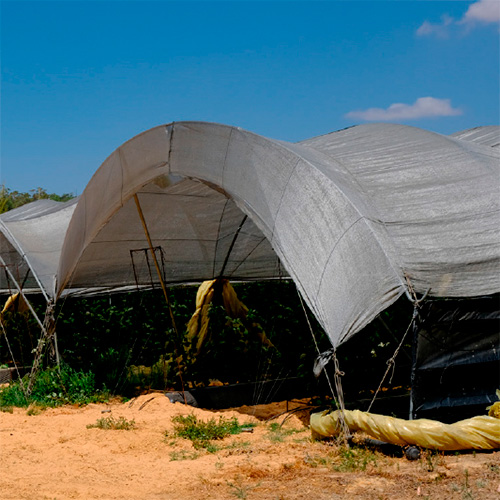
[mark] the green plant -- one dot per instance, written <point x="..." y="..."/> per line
<point x="110" y="423"/>
<point x="277" y="434"/>
<point x="13" y="395"/>
<point x="211" y="447"/>
<point x="202" y="433"/>
<point x="355" y="459"/>
<point x="465" y="488"/>
<point x="317" y="461"/>
<point x="430" y="459"/>
<point x="494" y="467"/>
<point x="54" y="387"/>
<point x="34" y="409"/>
<point x="183" y="455"/>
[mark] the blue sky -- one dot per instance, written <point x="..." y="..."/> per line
<point x="79" y="78"/>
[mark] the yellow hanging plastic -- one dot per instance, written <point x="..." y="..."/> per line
<point x="198" y="324"/>
<point x="15" y="304"/>
<point x="479" y="433"/>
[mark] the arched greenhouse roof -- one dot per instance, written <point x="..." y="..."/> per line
<point x="352" y="217"/>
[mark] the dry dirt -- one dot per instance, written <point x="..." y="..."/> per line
<point x="53" y="455"/>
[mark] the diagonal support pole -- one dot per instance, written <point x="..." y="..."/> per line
<point x="47" y="333"/>
<point x="155" y="260"/>
<point x="160" y="277"/>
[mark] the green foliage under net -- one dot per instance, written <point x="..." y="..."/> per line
<point x="54" y="387"/>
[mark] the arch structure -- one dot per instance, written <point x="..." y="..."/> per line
<point x="352" y="216"/>
<point x="31" y="238"/>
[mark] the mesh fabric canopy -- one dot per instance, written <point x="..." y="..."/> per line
<point x="31" y="239"/>
<point x="351" y="215"/>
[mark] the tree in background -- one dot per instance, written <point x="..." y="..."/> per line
<point x="14" y="199"/>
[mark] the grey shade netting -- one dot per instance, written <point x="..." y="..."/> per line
<point x="487" y="136"/>
<point x="350" y="215"/>
<point x="31" y="238"/>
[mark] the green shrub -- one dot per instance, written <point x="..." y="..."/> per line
<point x="54" y="387"/>
<point x="13" y="395"/>
<point x="201" y="433"/>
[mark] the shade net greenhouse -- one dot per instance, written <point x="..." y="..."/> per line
<point x="354" y="217"/>
<point x="31" y="239"/>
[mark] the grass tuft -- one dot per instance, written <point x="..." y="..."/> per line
<point x="34" y="409"/>
<point x="277" y="434"/>
<point x="355" y="459"/>
<point x="110" y="423"/>
<point x="183" y="455"/>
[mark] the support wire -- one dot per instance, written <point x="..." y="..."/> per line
<point x="339" y="393"/>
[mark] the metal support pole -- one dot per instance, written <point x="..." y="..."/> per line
<point x="413" y="375"/>
<point x="21" y="293"/>
<point x="46" y="333"/>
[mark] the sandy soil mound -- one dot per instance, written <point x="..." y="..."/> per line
<point x="54" y="455"/>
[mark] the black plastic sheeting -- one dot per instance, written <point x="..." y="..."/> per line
<point x="456" y="369"/>
<point x="252" y="393"/>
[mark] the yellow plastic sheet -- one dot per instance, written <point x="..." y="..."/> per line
<point x="198" y="324"/>
<point x="15" y="303"/>
<point x="479" y="433"/>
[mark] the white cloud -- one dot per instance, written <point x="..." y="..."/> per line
<point x="438" y="29"/>
<point x="423" y="107"/>
<point x="487" y="11"/>
<point x="482" y="11"/>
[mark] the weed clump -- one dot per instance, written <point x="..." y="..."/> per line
<point x="110" y="423"/>
<point x="183" y="455"/>
<point x="277" y="434"/>
<point x="202" y="433"/>
<point x="355" y="459"/>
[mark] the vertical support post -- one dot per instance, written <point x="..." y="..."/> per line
<point x="414" y="349"/>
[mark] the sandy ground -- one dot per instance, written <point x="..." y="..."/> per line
<point x="53" y="455"/>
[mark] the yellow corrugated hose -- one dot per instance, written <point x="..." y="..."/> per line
<point x="479" y="433"/>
